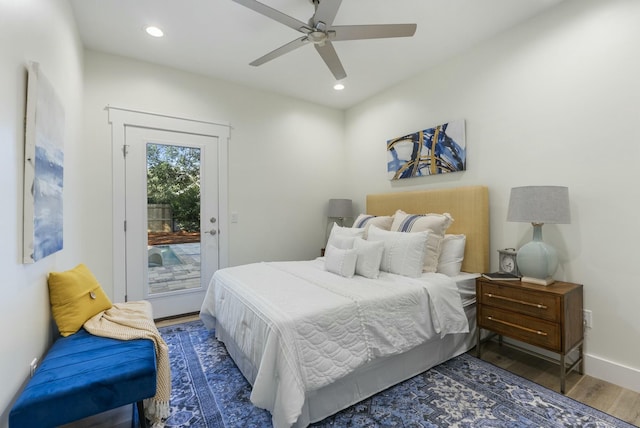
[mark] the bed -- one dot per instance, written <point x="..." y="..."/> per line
<point x="314" y="342"/>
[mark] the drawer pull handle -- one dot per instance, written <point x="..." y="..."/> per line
<point x="538" y="332"/>
<point x="522" y="302"/>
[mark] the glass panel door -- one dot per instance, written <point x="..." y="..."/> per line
<point x="172" y="245"/>
<point x="173" y="218"/>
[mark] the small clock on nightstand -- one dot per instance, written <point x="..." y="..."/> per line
<point x="507" y="261"/>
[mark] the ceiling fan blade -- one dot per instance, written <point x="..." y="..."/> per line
<point x="281" y="51"/>
<point x="381" y="31"/>
<point x="275" y="15"/>
<point x="326" y="11"/>
<point x="330" y="57"/>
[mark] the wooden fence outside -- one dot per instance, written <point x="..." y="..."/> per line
<point x="159" y="218"/>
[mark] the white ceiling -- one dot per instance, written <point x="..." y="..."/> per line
<point x="219" y="38"/>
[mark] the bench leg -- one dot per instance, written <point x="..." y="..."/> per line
<point x="141" y="418"/>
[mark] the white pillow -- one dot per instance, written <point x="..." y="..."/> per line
<point x="403" y="252"/>
<point x="451" y="254"/>
<point x="369" y="257"/>
<point x="342" y="242"/>
<point x="338" y="232"/>
<point x="435" y="223"/>
<point x="340" y="261"/>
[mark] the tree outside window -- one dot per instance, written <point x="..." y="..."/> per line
<point x="173" y="178"/>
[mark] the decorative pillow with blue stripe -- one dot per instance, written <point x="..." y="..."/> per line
<point x="363" y="221"/>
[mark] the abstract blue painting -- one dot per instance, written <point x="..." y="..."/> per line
<point x="44" y="168"/>
<point x="436" y="150"/>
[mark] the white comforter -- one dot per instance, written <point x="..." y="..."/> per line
<point x="303" y="327"/>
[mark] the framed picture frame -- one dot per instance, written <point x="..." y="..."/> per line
<point x="437" y="150"/>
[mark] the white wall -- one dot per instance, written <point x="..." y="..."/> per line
<point x="285" y="157"/>
<point x="41" y="31"/>
<point x="555" y="101"/>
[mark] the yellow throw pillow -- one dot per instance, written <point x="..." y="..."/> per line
<point x="76" y="296"/>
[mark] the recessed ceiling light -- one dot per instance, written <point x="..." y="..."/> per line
<point x="154" y="31"/>
<point x="338" y="86"/>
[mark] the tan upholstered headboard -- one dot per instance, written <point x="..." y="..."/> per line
<point x="469" y="207"/>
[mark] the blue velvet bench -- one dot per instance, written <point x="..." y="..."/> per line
<point x="83" y="375"/>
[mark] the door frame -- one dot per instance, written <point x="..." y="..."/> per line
<point x="120" y="118"/>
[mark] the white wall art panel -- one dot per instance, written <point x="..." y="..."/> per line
<point x="43" y="168"/>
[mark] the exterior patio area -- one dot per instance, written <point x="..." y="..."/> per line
<point x="180" y="272"/>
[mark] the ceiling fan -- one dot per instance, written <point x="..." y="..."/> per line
<point x="320" y="31"/>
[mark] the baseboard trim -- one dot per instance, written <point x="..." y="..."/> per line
<point x="600" y="368"/>
<point x="594" y="366"/>
<point x="173" y="317"/>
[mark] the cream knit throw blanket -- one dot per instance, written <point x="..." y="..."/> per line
<point x="134" y="320"/>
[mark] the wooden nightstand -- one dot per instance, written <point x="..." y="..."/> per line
<point x="548" y="317"/>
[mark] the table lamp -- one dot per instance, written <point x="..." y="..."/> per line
<point x="340" y="209"/>
<point x="537" y="260"/>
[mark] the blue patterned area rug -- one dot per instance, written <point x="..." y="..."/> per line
<point x="210" y="392"/>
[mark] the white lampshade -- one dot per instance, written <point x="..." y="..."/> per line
<point x="537" y="260"/>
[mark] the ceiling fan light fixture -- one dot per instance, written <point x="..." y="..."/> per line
<point x="338" y="86"/>
<point x="154" y="31"/>
<point x="317" y="37"/>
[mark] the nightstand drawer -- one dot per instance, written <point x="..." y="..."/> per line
<point x="539" y="305"/>
<point x="521" y="327"/>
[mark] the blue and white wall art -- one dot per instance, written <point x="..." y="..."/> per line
<point x="436" y="150"/>
<point x="43" y="169"/>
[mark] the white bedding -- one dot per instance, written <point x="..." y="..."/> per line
<point x="301" y="328"/>
<point x="466" y="283"/>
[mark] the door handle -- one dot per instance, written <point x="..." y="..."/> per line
<point x="212" y="232"/>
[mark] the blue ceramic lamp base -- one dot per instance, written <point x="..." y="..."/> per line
<point x="537" y="261"/>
